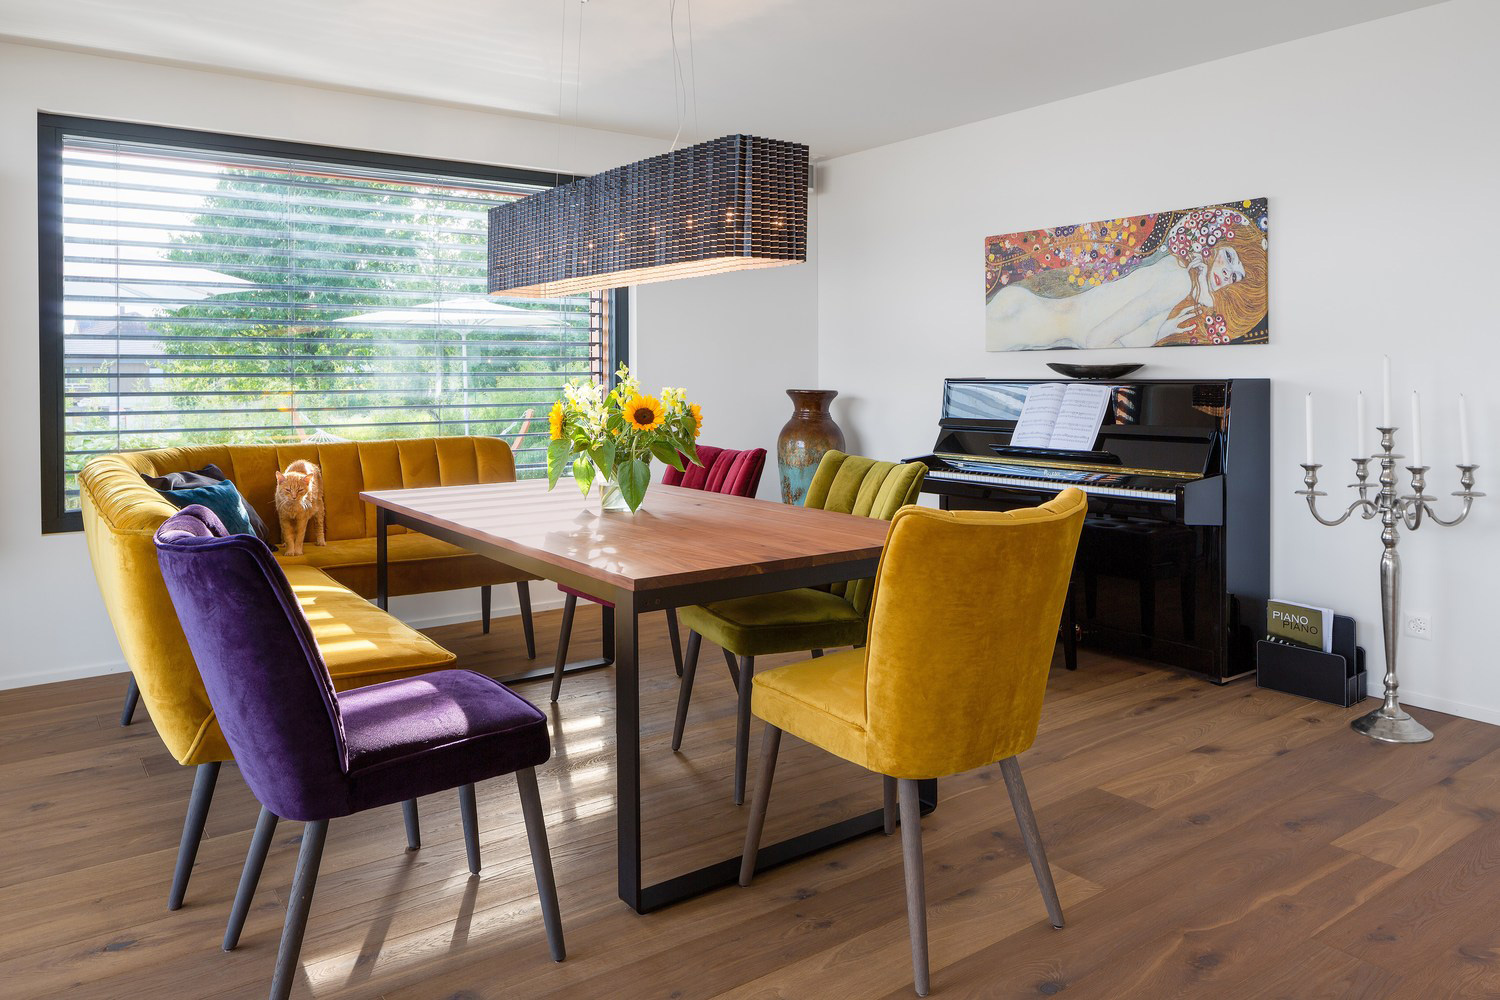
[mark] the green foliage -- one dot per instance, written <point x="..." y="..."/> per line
<point x="633" y="476"/>
<point x="612" y="436"/>
<point x="255" y="362"/>
<point x="667" y="453"/>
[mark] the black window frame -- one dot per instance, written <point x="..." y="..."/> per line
<point x="50" y="131"/>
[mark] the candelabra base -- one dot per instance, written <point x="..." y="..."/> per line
<point x="1391" y="727"/>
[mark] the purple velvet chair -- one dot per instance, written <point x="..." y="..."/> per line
<point x="735" y="473"/>
<point x="310" y="754"/>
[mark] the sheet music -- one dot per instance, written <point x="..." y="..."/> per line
<point x="1059" y="416"/>
<point x="1080" y="416"/>
<point x="1038" y="416"/>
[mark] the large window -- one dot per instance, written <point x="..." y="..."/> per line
<point x="201" y="289"/>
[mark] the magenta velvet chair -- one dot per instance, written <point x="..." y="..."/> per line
<point x="735" y="473"/>
<point x="311" y="754"/>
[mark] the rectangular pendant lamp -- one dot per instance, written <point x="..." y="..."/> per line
<point x="724" y="205"/>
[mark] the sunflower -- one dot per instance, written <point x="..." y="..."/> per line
<point x="555" y="421"/>
<point x="644" y="413"/>
<point x="697" y="412"/>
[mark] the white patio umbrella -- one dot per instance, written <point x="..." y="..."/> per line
<point x="461" y="314"/>
<point x="110" y="305"/>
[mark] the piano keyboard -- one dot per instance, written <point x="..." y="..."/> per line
<point x="994" y="479"/>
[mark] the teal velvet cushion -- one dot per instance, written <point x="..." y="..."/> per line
<point x="221" y="498"/>
<point x="206" y="476"/>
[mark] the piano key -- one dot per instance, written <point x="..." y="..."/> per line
<point x="995" y="479"/>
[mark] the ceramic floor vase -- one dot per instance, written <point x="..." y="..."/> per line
<point x="806" y="437"/>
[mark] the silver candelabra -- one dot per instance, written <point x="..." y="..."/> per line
<point x="1389" y="723"/>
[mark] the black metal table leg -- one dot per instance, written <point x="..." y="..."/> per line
<point x="382" y="583"/>
<point x="645" y="898"/>
<point x="627" y="748"/>
<point x="727" y="872"/>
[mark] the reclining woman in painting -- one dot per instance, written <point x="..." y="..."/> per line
<point x="1196" y="277"/>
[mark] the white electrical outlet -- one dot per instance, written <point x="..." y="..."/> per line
<point x="1418" y="625"/>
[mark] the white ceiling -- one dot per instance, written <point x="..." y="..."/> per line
<point x="840" y="75"/>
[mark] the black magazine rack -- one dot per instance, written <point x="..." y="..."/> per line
<point x="1338" y="677"/>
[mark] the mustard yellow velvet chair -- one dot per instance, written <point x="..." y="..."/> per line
<point x="962" y="628"/>
<point x="419" y="564"/>
<point x="809" y="618"/>
<point x="360" y="643"/>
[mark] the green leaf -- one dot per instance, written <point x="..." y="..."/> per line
<point x="583" y="471"/>
<point x="690" y="450"/>
<point x="557" y="454"/>
<point x="667" y="453"/>
<point x="634" y="477"/>
<point x="604" y="456"/>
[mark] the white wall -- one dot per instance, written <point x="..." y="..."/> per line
<point x="735" y="341"/>
<point x="51" y="616"/>
<point x="1377" y="147"/>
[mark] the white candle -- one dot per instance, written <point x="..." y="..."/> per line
<point x="1359" y="427"/>
<point x="1463" y="431"/>
<point x="1416" y="429"/>
<point x="1308" y="407"/>
<point x="1385" y="391"/>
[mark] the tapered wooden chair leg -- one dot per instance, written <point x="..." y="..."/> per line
<point x="685" y="688"/>
<point x="484" y="609"/>
<point x="742" y="728"/>
<point x="916" y="883"/>
<point x="204" y="780"/>
<point x="541" y="861"/>
<point x="734" y="668"/>
<point x="889" y="789"/>
<point x="314" y="835"/>
<point x="255" y="861"/>
<point x="570" y="605"/>
<point x="469" y="809"/>
<point x="675" y="635"/>
<point x="132" y="698"/>
<point x="523" y="598"/>
<point x="413" y="825"/>
<point x="1021" y="803"/>
<point x="770" y="743"/>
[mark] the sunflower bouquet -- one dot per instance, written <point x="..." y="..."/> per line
<point x="611" y="437"/>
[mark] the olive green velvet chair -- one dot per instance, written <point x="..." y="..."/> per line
<point x="952" y="678"/>
<point x="809" y="618"/>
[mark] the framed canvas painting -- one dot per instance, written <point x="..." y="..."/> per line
<point x="1187" y="277"/>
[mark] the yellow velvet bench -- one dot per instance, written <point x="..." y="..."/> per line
<point x="360" y="643"/>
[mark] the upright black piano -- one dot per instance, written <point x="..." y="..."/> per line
<point x="1174" y="562"/>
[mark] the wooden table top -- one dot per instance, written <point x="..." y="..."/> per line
<point x="678" y="536"/>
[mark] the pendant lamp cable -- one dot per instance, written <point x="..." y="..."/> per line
<point x="578" y="63"/>
<point x="562" y="74"/>
<point x="693" y="70"/>
<point x="681" y="78"/>
<point x="562" y="49"/>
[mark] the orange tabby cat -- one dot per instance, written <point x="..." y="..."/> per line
<point x="299" y="502"/>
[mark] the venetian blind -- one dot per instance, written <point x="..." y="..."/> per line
<point x="225" y="297"/>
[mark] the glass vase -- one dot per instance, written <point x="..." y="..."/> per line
<point x="610" y="497"/>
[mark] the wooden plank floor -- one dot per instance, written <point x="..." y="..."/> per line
<point x="1207" y="842"/>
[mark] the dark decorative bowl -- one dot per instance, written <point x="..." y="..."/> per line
<point x="1092" y="371"/>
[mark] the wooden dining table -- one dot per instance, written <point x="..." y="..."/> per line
<point x="683" y="547"/>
